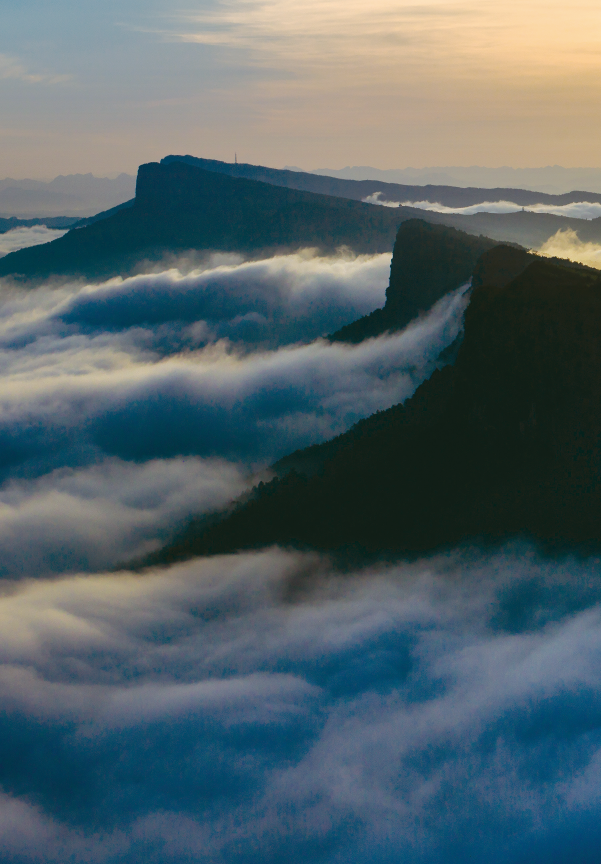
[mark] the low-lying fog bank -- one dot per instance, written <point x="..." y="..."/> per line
<point x="22" y="238"/>
<point x="260" y="708"/>
<point x="567" y="244"/>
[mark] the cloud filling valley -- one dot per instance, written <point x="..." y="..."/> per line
<point x="263" y="708"/>
<point x="256" y="708"/>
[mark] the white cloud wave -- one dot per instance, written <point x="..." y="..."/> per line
<point x="575" y="210"/>
<point x="143" y="390"/>
<point x="90" y="518"/>
<point x="114" y="428"/>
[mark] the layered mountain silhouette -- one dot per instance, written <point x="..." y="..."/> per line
<point x="325" y="184"/>
<point x="72" y="195"/>
<point x="525" y="228"/>
<point x="50" y="222"/>
<point x="505" y="442"/>
<point x="180" y="207"/>
<point x="428" y="261"/>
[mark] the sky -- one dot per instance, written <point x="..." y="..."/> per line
<point x="105" y="86"/>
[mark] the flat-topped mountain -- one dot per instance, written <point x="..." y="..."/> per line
<point x="180" y="207"/>
<point x="505" y="442"/>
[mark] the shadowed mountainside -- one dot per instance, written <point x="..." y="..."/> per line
<point x="505" y="442"/>
<point x="428" y="261"/>
<point x="523" y="227"/>
<point x="179" y="207"/>
<point x="450" y="196"/>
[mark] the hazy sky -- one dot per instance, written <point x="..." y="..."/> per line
<point x="104" y="85"/>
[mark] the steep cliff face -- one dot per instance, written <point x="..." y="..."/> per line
<point x="428" y="261"/>
<point x="505" y="442"/>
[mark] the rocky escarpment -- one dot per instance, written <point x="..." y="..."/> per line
<point x="506" y="442"/>
<point x="428" y="261"/>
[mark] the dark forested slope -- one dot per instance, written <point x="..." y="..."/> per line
<point x="504" y="442"/>
<point x="526" y="228"/>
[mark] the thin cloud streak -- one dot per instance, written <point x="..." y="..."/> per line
<point x="463" y="37"/>
<point x="13" y="69"/>
<point x="574" y="210"/>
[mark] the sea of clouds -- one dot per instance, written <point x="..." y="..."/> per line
<point x="21" y="238"/>
<point x="574" y="210"/>
<point x="129" y="405"/>
<point x="260" y="708"/>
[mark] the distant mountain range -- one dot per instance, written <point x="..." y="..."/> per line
<point x="73" y="195"/>
<point x="552" y="179"/>
<point x="49" y="222"/>
<point x="504" y="442"/>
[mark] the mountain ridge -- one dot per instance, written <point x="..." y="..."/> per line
<point x="503" y="443"/>
<point x="327" y="184"/>
<point x="181" y="208"/>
